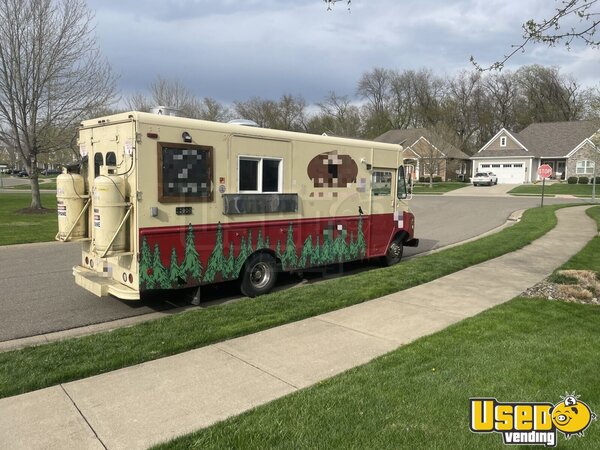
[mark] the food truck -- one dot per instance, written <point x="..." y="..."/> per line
<point x="164" y="202"/>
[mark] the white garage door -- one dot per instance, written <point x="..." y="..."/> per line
<point x="507" y="172"/>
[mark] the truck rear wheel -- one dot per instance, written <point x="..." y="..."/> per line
<point x="394" y="252"/>
<point x="258" y="275"/>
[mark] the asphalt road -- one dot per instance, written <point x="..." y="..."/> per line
<point x="38" y="294"/>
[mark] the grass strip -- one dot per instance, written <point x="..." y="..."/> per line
<point x="19" y="228"/>
<point x="589" y="257"/>
<point x="417" y="396"/>
<point x="47" y="365"/>
<point x="584" y="190"/>
<point x="526" y="350"/>
<point x="438" y="188"/>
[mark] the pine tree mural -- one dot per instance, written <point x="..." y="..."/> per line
<point x="316" y="257"/>
<point x="352" y="248"/>
<point x="216" y="262"/>
<point x="306" y="258"/>
<point x="361" y="243"/>
<point x="159" y="273"/>
<point x="289" y="259"/>
<point x="339" y="246"/>
<point x="268" y="242"/>
<point x="176" y="275"/>
<point x="278" y="249"/>
<point x="260" y="243"/>
<point x="191" y="266"/>
<point x="229" y="273"/>
<point x="327" y="248"/>
<point x="249" y="242"/>
<point x="146" y="279"/>
<point x="242" y="256"/>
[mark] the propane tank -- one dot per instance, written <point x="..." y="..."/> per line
<point x="70" y="200"/>
<point x="109" y="207"/>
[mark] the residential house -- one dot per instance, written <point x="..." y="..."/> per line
<point x="429" y="153"/>
<point x="566" y="147"/>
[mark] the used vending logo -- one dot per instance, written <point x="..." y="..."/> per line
<point x="535" y="423"/>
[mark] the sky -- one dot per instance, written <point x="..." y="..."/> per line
<point x="238" y="49"/>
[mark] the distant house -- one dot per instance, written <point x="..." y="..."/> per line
<point x="430" y="153"/>
<point x="515" y="157"/>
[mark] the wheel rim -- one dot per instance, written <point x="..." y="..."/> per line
<point x="260" y="275"/>
<point x="395" y="250"/>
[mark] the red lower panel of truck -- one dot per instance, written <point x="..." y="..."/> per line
<point x="192" y="255"/>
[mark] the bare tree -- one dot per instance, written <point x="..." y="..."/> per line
<point x="211" y="109"/>
<point x="545" y="95"/>
<point x="51" y="76"/>
<point x="468" y="111"/>
<point x="286" y="114"/>
<point x="339" y="116"/>
<point x="574" y="20"/>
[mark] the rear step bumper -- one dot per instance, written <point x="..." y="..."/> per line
<point x="412" y="243"/>
<point x="102" y="286"/>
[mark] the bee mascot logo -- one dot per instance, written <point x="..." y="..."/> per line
<point x="535" y="423"/>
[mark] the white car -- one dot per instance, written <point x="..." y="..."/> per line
<point x="488" y="178"/>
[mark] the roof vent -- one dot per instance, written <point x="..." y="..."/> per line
<point x="244" y="122"/>
<point x="165" y="111"/>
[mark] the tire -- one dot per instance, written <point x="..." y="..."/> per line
<point x="258" y="275"/>
<point x="394" y="252"/>
<point x="496" y="182"/>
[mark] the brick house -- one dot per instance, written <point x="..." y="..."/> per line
<point x="428" y="152"/>
<point x="567" y="147"/>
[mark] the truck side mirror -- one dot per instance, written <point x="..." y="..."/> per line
<point x="401" y="188"/>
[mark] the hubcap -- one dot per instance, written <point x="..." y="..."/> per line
<point x="260" y="275"/>
<point x="395" y="250"/>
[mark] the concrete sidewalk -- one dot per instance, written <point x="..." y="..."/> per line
<point x="152" y="402"/>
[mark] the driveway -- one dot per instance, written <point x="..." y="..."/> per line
<point x="498" y="190"/>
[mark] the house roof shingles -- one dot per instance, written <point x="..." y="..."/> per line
<point x="408" y="137"/>
<point x="550" y="139"/>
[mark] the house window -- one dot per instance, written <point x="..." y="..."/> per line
<point x="184" y="173"/>
<point x="259" y="175"/>
<point x="507" y="165"/>
<point x="496" y="165"/>
<point x="585" y="167"/>
<point x="485" y="166"/>
<point x="518" y="165"/>
<point x="503" y="141"/>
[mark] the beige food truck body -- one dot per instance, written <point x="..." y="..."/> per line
<point x="168" y="202"/>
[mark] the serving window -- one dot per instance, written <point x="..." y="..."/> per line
<point x="259" y="175"/>
<point x="185" y="173"/>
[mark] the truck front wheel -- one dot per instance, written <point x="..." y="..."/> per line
<point x="259" y="275"/>
<point x="394" y="252"/>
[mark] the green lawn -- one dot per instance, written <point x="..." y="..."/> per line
<point x="438" y="188"/>
<point x="556" y="189"/>
<point x="526" y="350"/>
<point x="47" y="365"/>
<point x="20" y="228"/>
<point x="417" y="396"/>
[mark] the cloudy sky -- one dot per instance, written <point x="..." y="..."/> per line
<point x="237" y="49"/>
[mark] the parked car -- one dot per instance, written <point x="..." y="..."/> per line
<point x="488" y="178"/>
<point x="22" y="173"/>
<point x="51" y="172"/>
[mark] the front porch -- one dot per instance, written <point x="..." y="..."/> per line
<point x="559" y="167"/>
